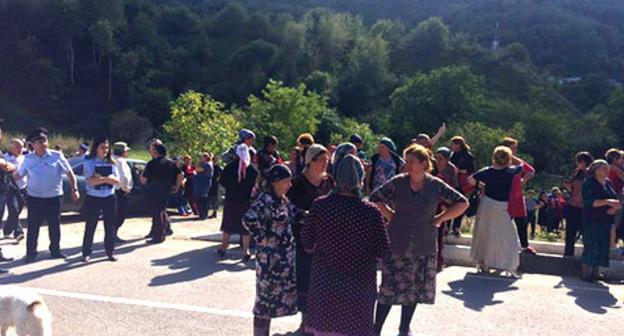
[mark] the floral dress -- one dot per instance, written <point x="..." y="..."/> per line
<point x="269" y="222"/>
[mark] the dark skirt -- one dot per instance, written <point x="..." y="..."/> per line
<point x="596" y="247"/>
<point x="303" y="266"/>
<point x="233" y="213"/>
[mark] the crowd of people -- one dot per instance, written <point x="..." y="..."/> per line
<point x="321" y="222"/>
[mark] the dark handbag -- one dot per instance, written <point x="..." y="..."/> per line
<point x="474" y="200"/>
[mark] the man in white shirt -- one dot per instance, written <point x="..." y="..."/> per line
<point x="16" y="197"/>
<point x="123" y="189"/>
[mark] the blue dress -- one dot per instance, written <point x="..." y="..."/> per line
<point x="596" y="223"/>
<point x="269" y="222"/>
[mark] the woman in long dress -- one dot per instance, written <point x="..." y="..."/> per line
<point x="345" y="237"/>
<point x="495" y="239"/>
<point x="269" y="222"/>
<point x="410" y="202"/>
<point x="600" y="204"/>
<point x="307" y="187"/>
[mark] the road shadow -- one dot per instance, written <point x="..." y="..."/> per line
<point x="197" y="264"/>
<point x="477" y="291"/>
<point x="71" y="263"/>
<point x="594" y="298"/>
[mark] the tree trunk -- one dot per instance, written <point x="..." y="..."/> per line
<point x="72" y="61"/>
<point x="110" y="78"/>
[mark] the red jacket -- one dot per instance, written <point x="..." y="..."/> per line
<point x="517" y="207"/>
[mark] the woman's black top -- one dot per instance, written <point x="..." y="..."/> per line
<point x="238" y="191"/>
<point x="463" y="160"/>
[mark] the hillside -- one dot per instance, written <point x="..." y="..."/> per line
<point x="403" y="67"/>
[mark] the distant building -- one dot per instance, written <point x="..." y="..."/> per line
<point x="495" y="45"/>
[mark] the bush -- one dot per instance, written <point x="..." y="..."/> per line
<point x="130" y="127"/>
<point x="200" y="123"/>
<point x="285" y="112"/>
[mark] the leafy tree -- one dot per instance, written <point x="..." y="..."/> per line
<point x="334" y="129"/>
<point x="427" y="100"/>
<point x="257" y="53"/>
<point x="547" y="141"/>
<point x="351" y="126"/>
<point x="322" y="83"/>
<point x="200" y="123"/>
<point x="258" y="26"/>
<point x="285" y="111"/>
<point x="615" y="113"/>
<point x="130" y="127"/>
<point x="367" y="78"/>
<point x="391" y="31"/>
<point x="229" y="20"/>
<point x="424" y="46"/>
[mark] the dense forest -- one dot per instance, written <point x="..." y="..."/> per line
<point x="547" y="72"/>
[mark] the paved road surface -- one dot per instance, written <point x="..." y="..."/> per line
<point x="180" y="288"/>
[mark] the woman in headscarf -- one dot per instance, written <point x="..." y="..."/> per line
<point x="307" y="187"/>
<point x="447" y="172"/>
<point x="345" y="236"/>
<point x="410" y="202"/>
<point x="495" y="239"/>
<point x="384" y="165"/>
<point x="341" y="151"/>
<point x="600" y="204"/>
<point x="304" y="141"/>
<point x="269" y="222"/>
<point x="237" y="200"/>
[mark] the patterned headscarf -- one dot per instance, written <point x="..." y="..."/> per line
<point x="349" y="175"/>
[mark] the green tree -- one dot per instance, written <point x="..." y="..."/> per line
<point x="285" y="111"/>
<point x="256" y="53"/>
<point x="130" y="127"/>
<point x="446" y="94"/>
<point x="424" y="46"/>
<point x="615" y="113"/>
<point x="322" y="83"/>
<point x="548" y="141"/>
<point x="367" y="77"/>
<point x="229" y="20"/>
<point x="103" y="35"/>
<point x="200" y="123"/>
<point x="350" y="127"/>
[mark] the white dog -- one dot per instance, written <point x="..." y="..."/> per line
<point x="24" y="310"/>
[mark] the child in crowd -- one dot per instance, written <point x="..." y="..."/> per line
<point x="531" y="206"/>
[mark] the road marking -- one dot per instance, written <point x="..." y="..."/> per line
<point x="143" y="303"/>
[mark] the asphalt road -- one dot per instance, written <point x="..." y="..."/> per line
<point x="180" y="288"/>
